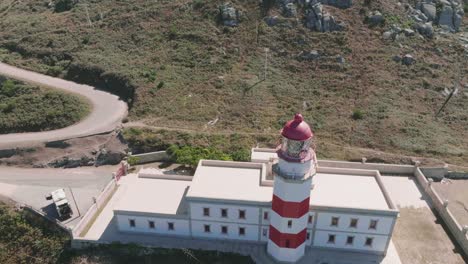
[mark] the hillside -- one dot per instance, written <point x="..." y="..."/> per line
<point x="180" y="68"/>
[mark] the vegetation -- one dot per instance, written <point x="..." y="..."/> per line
<point x="189" y="155"/>
<point x="179" y="68"/>
<point x="27" y="238"/>
<point x="26" y="109"/>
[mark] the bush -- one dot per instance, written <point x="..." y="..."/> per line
<point x="190" y="156"/>
<point x="358" y="114"/>
<point x="64" y="5"/>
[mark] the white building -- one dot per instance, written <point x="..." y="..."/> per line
<point x="281" y="198"/>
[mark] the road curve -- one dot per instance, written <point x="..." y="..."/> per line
<point x="106" y="114"/>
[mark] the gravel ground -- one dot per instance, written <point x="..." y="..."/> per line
<point x="456" y="191"/>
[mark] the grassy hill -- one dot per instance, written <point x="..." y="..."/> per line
<point x="24" y="108"/>
<point x="179" y="68"/>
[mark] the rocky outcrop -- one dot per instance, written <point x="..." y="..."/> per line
<point x="229" y="15"/>
<point x="338" y="3"/>
<point x="445" y="13"/>
<point x="319" y="20"/>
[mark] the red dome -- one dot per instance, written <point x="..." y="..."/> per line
<point x="297" y="129"/>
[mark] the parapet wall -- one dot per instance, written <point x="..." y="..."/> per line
<point x="94" y="209"/>
<point x="151" y="157"/>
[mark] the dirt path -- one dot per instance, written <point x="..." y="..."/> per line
<point x="107" y="110"/>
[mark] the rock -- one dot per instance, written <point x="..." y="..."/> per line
<point x="309" y="55"/>
<point x="340" y="59"/>
<point x="108" y="157"/>
<point x="319" y="20"/>
<point x="375" y="18"/>
<point x="388" y="35"/>
<point x="446" y="16"/>
<point x="271" y="21"/>
<point x="408" y="60"/>
<point x="229" y="15"/>
<point x="396" y="58"/>
<point x="425" y="29"/>
<point x="408" y="32"/>
<point x="289" y="10"/>
<point x="429" y="9"/>
<point x="337" y="3"/>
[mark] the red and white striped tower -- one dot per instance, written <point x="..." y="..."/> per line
<point x="291" y="192"/>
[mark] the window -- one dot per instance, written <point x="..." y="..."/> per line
<point x="308" y="236"/>
<point x="224" y="229"/>
<point x="265" y="215"/>
<point x="311" y="218"/>
<point x="206" y="211"/>
<point x="349" y="240"/>
<point x="241" y="214"/>
<point x="289" y="223"/>
<point x="331" y="239"/>
<point x="369" y="241"/>
<point x="131" y="222"/>
<point x="334" y="221"/>
<point x="353" y="223"/>
<point x="224" y="213"/>
<point x="373" y="224"/>
<point x="170" y="226"/>
<point x="241" y="231"/>
<point x="151" y="224"/>
<point x="265" y="232"/>
<point x="207" y="228"/>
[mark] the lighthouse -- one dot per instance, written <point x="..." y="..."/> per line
<point x="292" y="186"/>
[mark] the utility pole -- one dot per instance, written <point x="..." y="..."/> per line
<point x="450" y="95"/>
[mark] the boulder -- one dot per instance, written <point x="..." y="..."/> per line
<point x="425" y="29"/>
<point x="229" y="15"/>
<point x="289" y="10"/>
<point x="429" y="9"/>
<point x="408" y="32"/>
<point x="309" y="55"/>
<point x="408" y="60"/>
<point x="375" y="18"/>
<point x="388" y="35"/>
<point x="109" y="157"/>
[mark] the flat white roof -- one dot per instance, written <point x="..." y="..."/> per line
<point x="227" y="181"/>
<point x="146" y="195"/>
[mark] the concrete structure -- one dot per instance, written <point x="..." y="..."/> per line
<point x="281" y="199"/>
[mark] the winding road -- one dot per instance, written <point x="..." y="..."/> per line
<point x="106" y="114"/>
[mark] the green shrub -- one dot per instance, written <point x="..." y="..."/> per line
<point x="132" y="160"/>
<point x="64" y="5"/>
<point x="190" y="156"/>
<point x="358" y="114"/>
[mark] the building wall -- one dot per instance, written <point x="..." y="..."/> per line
<point x="379" y="241"/>
<point x="198" y="230"/>
<point x="384" y="224"/>
<point x="252" y="214"/>
<point x="181" y="226"/>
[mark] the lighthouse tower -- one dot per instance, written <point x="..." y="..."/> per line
<point x="291" y="192"/>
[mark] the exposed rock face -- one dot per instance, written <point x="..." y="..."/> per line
<point x="425" y="29"/>
<point x="288" y="8"/>
<point x="445" y="13"/>
<point x="319" y="20"/>
<point x="338" y="3"/>
<point x="309" y="55"/>
<point x="229" y="15"/>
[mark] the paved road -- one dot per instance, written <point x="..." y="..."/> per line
<point x="107" y="113"/>
<point x="30" y="186"/>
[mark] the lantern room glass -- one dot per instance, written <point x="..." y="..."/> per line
<point x="295" y="148"/>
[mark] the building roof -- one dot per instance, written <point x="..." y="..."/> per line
<point x="237" y="181"/>
<point x="147" y="195"/>
<point x="297" y="129"/>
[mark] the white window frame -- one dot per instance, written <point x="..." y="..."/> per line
<point x="376" y="224"/>
<point x="351" y="222"/>
<point x="337" y="221"/>
<point x="334" y="239"/>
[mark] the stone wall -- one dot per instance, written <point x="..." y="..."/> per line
<point x="151" y="157"/>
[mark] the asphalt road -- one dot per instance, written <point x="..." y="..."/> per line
<point x="107" y="110"/>
<point x="90" y="177"/>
